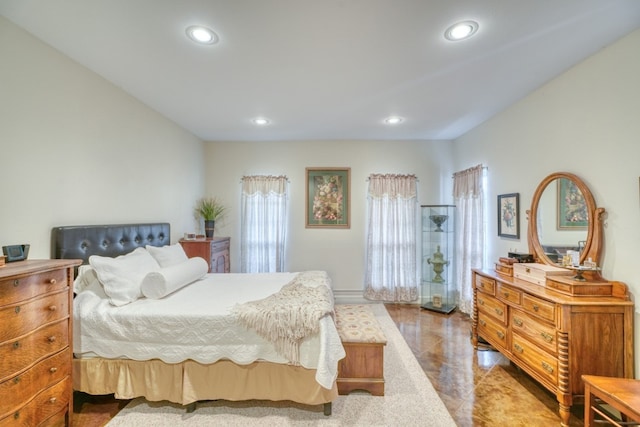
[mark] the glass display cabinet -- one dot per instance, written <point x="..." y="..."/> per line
<point x="439" y="292"/>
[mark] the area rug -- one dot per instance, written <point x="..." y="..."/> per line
<point x="409" y="399"/>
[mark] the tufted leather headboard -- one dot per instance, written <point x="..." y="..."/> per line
<point x="82" y="241"/>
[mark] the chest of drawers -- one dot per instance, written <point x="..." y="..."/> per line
<point x="35" y="335"/>
<point x="216" y="251"/>
<point x="555" y="338"/>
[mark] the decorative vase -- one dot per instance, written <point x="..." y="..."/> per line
<point x="438" y="263"/>
<point x="208" y="228"/>
<point x="438" y="220"/>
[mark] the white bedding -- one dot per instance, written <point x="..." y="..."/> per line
<point x="195" y="323"/>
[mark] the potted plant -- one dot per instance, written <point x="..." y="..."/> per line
<point x="210" y="209"/>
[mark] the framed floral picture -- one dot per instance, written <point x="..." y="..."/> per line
<point x="509" y="215"/>
<point x="327" y="198"/>
<point x="572" y="206"/>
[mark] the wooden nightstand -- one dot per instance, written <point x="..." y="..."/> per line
<point x="216" y="251"/>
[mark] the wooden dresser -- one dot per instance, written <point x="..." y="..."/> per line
<point x="216" y="251"/>
<point x="35" y="334"/>
<point x="553" y="336"/>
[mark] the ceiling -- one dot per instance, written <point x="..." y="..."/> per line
<point x="326" y="69"/>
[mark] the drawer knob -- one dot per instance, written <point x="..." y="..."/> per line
<point x="53" y="281"/>
<point x="483" y="323"/>
<point x="506" y="294"/>
<point x="517" y="321"/>
<point x="547" y="337"/>
<point x="16" y="380"/>
<point x="53" y="370"/>
<point x="481" y="302"/>
<point x="17" y="309"/>
<point x="500" y="335"/>
<point x="52" y="308"/>
<point x="518" y="348"/>
<point x="536" y="307"/>
<point x="53" y="400"/>
<point x="52" y="338"/>
<point x="547" y="367"/>
<point x="499" y="311"/>
<point x="16" y="345"/>
<point x="15" y="284"/>
<point x="16" y="415"/>
<point x="527" y="269"/>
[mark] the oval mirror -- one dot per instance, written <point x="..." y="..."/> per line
<point x="564" y="217"/>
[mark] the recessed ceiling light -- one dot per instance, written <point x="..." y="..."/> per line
<point x="461" y="30"/>
<point x="393" y="120"/>
<point x="201" y="35"/>
<point x="261" y="121"/>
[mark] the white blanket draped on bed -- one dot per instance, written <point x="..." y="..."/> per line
<point x="196" y="323"/>
<point x="291" y="314"/>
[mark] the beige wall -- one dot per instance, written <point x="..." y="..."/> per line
<point x="341" y="252"/>
<point x="586" y="121"/>
<point x="74" y="149"/>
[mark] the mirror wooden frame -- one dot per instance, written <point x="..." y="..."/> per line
<point x="593" y="245"/>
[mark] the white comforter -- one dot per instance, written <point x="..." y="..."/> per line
<point x="195" y="323"/>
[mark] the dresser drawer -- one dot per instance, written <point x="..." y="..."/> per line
<point x="492" y="331"/>
<point x="508" y="294"/>
<point x="48" y="403"/>
<point x="25" y="317"/>
<point x="486" y="285"/>
<point x="492" y="307"/>
<point x="535" y="358"/>
<point x="24" y="387"/>
<point x="20" y="353"/>
<point x="539" y="307"/>
<point x="542" y="334"/>
<point x="22" y="288"/>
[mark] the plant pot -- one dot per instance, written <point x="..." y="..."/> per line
<point x="208" y="228"/>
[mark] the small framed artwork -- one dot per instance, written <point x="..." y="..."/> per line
<point x="509" y="215"/>
<point x="327" y="198"/>
<point x="572" y="207"/>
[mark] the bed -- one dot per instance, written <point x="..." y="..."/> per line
<point x="199" y="350"/>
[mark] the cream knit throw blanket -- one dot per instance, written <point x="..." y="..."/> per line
<point x="288" y="316"/>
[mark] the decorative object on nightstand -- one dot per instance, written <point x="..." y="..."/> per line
<point x="439" y="292"/>
<point x="35" y="313"/>
<point x="210" y="209"/>
<point x="216" y="251"/>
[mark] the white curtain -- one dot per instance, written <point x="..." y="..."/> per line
<point x="468" y="193"/>
<point x="391" y="238"/>
<point x="263" y="223"/>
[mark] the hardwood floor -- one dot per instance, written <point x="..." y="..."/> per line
<point x="479" y="388"/>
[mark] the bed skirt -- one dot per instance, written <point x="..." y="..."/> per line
<point x="188" y="382"/>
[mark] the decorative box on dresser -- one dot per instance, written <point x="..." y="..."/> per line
<point x="215" y="250"/>
<point x="35" y="334"/>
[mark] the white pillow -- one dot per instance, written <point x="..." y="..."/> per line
<point x="121" y="276"/>
<point x="86" y="276"/>
<point x="168" y="255"/>
<point x="158" y="284"/>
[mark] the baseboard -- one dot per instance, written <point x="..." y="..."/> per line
<point x="350" y="297"/>
<point x="355" y="297"/>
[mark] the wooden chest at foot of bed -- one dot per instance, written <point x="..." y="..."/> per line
<point x="363" y="342"/>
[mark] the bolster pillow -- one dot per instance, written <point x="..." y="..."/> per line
<point x="158" y="284"/>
